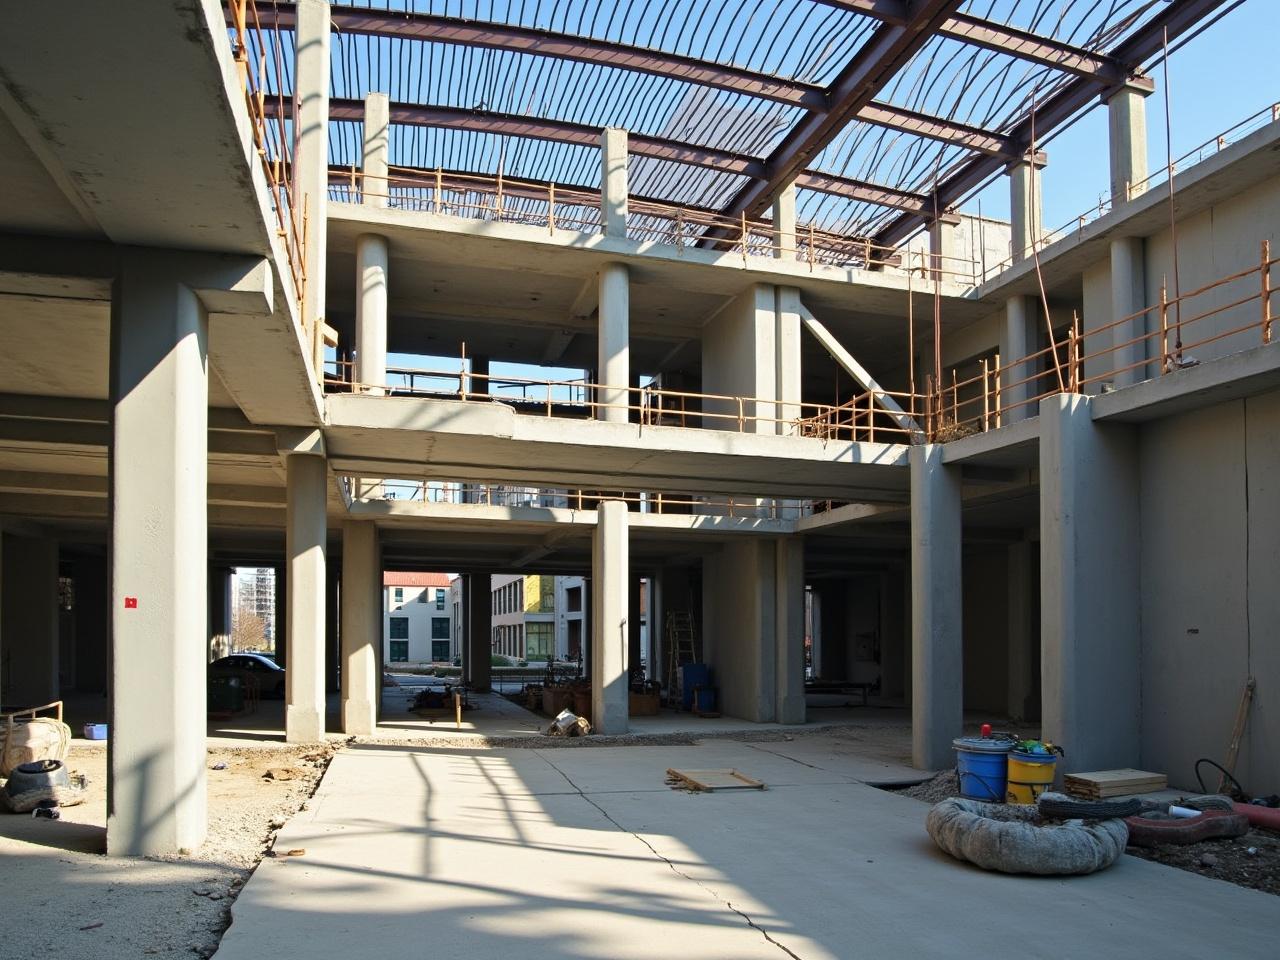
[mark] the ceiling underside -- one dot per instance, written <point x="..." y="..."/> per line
<point x="921" y="100"/>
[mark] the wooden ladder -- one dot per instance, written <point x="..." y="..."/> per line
<point x="681" y="647"/>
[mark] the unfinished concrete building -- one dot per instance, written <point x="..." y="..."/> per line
<point x="1016" y="472"/>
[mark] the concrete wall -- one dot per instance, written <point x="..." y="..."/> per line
<point x="1219" y="241"/>
<point x="1096" y="312"/>
<point x="1210" y="533"/>
<point x="739" y="358"/>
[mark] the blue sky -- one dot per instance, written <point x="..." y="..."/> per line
<point x="1229" y="72"/>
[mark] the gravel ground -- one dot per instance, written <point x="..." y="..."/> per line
<point x="65" y="900"/>
<point x="1224" y="859"/>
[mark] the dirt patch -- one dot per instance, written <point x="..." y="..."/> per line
<point x="64" y="899"/>
<point x="1251" y="861"/>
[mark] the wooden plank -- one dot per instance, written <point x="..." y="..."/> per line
<point x="718" y="779"/>
<point x="1237" y="731"/>
<point x="1104" y="784"/>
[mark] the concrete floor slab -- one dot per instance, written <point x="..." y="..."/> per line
<point x="584" y="853"/>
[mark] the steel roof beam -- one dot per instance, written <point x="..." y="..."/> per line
<point x="875" y="63"/>
<point x="657" y="148"/>
<point x="498" y="36"/>
<point x="1179" y="18"/>
<point x="1104" y="68"/>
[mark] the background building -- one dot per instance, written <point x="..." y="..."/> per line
<point x="418" y="618"/>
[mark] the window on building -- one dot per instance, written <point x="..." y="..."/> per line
<point x="439" y="650"/>
<point x="546" y="595"/>
<point x="439" y="628"/>
<point x="573" y="600"/>
<point x="399" y="651"/>
<point x="519" y="593"/>
<point x="539" y="641"/>
<point x="397" y="595"/>
<point x="439" y="599"/>
<point x="399" y="628"/>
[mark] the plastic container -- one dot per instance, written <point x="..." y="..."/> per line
<point x="982" y="765"/>
<point x="705" y="699"/>
<point x="1030" y="774"/>
<point x="95" y="731"/>
<point x="692" y="675"/>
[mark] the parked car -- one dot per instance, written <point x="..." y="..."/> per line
<point x="252" y="668"/>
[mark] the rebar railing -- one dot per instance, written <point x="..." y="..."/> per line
<point x="646" y="405"/>
<point x="1169" y="330"/>
<point x="1106" y="203"/>
<point x="554" y="207"/>
<point x="260" y="63"/>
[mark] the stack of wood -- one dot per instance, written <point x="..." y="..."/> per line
<point x="1105" y="784"/>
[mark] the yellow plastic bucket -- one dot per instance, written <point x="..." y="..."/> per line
<point x="1030" y="774"/>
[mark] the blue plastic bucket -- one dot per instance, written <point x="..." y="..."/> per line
<point x="692" y="675"/>
<point x="95" y="731"/>
<point x="982" y="764"/>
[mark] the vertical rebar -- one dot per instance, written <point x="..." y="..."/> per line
<point x="986" y="398"/>
<point x="996" y="387"/>
<point x="1266" y="291"/>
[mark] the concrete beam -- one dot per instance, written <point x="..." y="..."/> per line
<point x="610" y="570"/>
<point x="852" y="367"/>
<point x="1089" y="586"/>
<point x="937" y="647"/>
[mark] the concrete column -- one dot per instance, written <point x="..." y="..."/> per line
<point x="1128" y="297"/>
<point x="479" y="631"/>
<point x="613" y="182"/>
<point x="159" y="575"/>
<point x="311" y="159"/>
<point x="361" y="627"/>
<point x="372" y="255"/>
<point x="1089" y="586"/>
<point x="332" y="633"/>
<point x="937" y="702"/>
<point x="219" y="612"/>
<point x="29" y="620"/>
<point x="789" y="706"/>
<point x="944" y="248"/>
<point x="784" y="224"/>
<point x="377" y="139"/>
<point x="787" y="358"/>
<point x="1026" y="205"/>
<point x="1021" y="314"/>
<point x="1127" y="128"/>
<point x="635" y="652"/>
<point x="372" y="258"/>
<point x="609" y="572"/>
<point x="479" y="381"/>
<point x="614" y="367"/>
<point x="1022" y="630"/>
<point x="305" y="534"/>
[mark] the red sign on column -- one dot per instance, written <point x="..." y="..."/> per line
<point x="131" y="603"/>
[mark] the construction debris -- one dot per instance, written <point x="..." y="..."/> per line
<point x="710" y="780"/>
<point x="1103" y="784"/>
<point x="568" y="724"/>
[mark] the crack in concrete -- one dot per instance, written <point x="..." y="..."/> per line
<point x="674" y="869"/>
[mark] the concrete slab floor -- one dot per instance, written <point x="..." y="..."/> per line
<point x="587" y="853"/>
